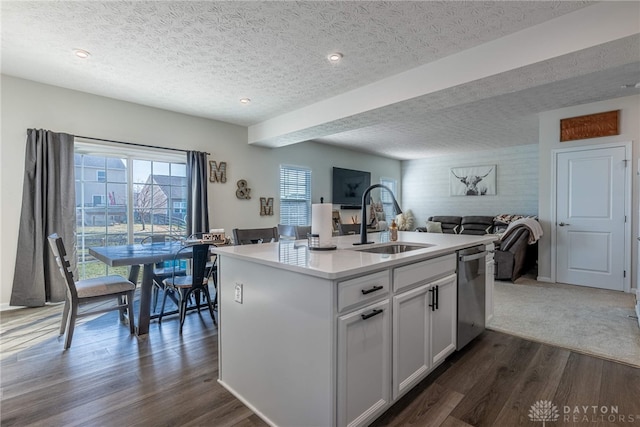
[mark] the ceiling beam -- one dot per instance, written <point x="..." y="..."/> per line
<point x="588" y="27"/>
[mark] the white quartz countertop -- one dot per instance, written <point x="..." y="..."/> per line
<point x="349" y="259"/>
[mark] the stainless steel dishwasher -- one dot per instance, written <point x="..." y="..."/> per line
<point x="471" y="294"/>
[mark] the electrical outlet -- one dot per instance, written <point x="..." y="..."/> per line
<point x="238" y="293"/>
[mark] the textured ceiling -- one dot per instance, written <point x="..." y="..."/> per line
<point x="200" y="58"/>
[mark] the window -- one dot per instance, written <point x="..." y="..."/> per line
<point x="295" y="195"/>
<point x="98" y="200"/>
<point x="124" y="196"/>
<point x="387" y="201"/>
<point x="180" y="207"/>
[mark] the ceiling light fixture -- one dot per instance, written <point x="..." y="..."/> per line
<point x="81" y="53"/>
<point x="335" y="57"/>
<point x="631" y="86"/>
<point x="245" y="101"/>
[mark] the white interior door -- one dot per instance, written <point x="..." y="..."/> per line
<point x="590" y="217"/>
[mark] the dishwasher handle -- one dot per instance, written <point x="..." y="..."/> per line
<point x="466" y="258"/>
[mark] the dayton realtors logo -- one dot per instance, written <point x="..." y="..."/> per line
<point x="546" y="411"/>
<point x="543" y="410"/>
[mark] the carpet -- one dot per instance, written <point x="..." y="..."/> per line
<point x="593" y="321"/>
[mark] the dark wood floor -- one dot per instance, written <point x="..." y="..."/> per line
<point x="109" y="378"/>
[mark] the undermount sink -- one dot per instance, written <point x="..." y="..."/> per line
<point x="394" y="248"/>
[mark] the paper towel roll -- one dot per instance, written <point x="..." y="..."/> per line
<point x="321" y="222"/>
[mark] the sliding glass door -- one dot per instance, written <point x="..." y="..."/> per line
<point x="124" y="199"/>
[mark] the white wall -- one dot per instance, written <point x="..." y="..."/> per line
<point x="550" y="140"/>
<point x="27" y="104"/>
<point x="425" y="184"/>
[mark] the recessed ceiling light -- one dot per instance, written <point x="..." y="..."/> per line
<point x="81" y="53"/>
<point x="245" y="101"/>
<point x="335" y="57"/>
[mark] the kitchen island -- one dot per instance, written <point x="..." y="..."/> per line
<point x="334" y="338"/>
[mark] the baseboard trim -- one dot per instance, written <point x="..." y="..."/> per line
<point x="544" y="279"/>
<point x="6" y="307"/>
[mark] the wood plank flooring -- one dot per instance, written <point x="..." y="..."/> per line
<point x="110" y="378"/>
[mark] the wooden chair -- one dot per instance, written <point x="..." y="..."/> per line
<point x="248" y="236"/>
<point x="160" y="272"/>
<point x="112" y="287"/>
<point x="195" y="283"/>
<point x="348" y="229"/>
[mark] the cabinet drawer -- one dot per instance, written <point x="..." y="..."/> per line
<point x="423" y="272"/>
<point x="359" y="290"/>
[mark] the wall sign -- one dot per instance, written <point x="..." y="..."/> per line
<point x="243" y="192"/>
<point x="266" y="206"/>
<point x="589" y="126"/>
<point x="217" y="173"/>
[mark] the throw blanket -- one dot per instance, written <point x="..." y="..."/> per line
<point x="535" y="230"/>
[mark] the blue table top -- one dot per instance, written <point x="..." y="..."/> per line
<point x="116" y="256"/>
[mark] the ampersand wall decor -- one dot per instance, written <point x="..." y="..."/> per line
<point x="243" y="192"/>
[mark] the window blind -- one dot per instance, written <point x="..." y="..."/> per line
<point x="295" y="195"/>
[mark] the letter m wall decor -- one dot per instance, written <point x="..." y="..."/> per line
<point x="217" y="173"/>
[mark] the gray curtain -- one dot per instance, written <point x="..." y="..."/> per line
<point x="197" y="200"/>
<point x="48" y="206"/>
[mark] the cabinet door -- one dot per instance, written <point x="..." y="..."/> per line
<point x="489" y="291"/>
<point x="411" y="356"/>
<point x="364" y="364"/>
<point x="443" y="319"/>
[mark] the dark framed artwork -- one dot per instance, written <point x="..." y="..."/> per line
<point x="473" y="181"/>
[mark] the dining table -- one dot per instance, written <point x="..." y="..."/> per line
<point x="135" y="255"/>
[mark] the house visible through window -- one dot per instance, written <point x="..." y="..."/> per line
<point x="122" y="199"/>
<point x="295" y="195"/>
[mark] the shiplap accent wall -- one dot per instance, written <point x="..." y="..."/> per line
<point x="425" y="184"/>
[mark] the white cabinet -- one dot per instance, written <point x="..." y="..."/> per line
<point x="489" y="283"/>
<point x="364" y="364"/>
<point x="411" y="344"/>
<point x="333" y="352"/>
<point x="424" y="331"/>
<point x="444" y="319"/>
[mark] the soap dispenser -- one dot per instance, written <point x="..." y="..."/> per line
<point x="393" y="231"/>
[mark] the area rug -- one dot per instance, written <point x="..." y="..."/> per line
<point x="592" y="321"/>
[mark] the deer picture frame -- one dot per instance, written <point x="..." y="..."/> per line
<point x="473" y="181"/>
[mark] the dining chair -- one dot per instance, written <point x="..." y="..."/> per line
<point x="302" y="231"/>
<point x="211" y="271"/>
<point x="161" y="270"/>
<point x="88" y="291"/>
<point x="195" y="283"/>
<point x="248" y="236"/>
<point x="345" y="229"/>
<point x="286" y="231"/>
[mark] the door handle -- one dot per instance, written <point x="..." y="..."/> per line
<point x="434" y="298"/>
<point x="373" y="289"/>
<point x="562" y="224"/>
<point x="372" y="313"/>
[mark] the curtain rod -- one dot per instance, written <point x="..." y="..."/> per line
<point x="134" y="144"/>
